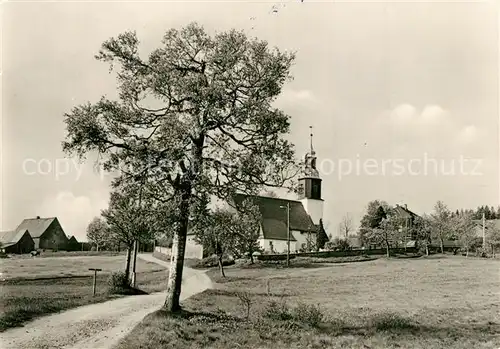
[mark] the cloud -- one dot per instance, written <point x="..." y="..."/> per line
<point x="468" y="134"/>
<point x="408" y="115"/>
<point x="74" y="212"/>
<point x="294" y="97"/>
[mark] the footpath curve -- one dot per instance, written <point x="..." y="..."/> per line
<point x="98" y="326"/>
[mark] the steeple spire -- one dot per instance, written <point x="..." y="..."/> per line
<point x="311" y="134"/>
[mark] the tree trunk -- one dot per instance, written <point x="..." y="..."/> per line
<point x="127" y="265"/>
<point x="387" y="249"/>
<point x="172" y="301"/>
<point x="251" y="258"/>
<point x="426" y="249"/>
<point x="466" y="252"/>
<point x="441" y="242"/>
<point x="221" y="267"/>
<point x="134" y="263"/>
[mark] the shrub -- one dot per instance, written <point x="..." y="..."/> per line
<point x="308" y="314"/>
<point x="387" y="322"/>
<point x="277" y="310"/>
<point x="118" y="283"/>
<point x="212" y="262"/>
<point x="273" y="257"/>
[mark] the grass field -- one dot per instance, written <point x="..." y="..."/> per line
<point x="36" y="287"/>
<point x="25" y="268"/>
<point x="448" y="302"/>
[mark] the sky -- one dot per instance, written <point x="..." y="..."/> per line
<point x="402" y="97"/>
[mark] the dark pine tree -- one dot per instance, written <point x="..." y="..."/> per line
<point x="322" y="237"/>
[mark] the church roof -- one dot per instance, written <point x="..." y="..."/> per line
<point x="274" y="216"/>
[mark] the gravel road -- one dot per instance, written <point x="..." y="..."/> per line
<point x="98" y="326"/>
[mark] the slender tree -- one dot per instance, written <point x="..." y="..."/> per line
<point x="129" y="219"/>
<point x="464" y="227"/>
<point x="493" y="237"/>
<point x="441" y="227"/>
<point x="196" y="114"/>
<point x="346" y="226"/>
<point x="421" y="228"/>
<point x="387" y="233"/>
<point x="98" y="233"/>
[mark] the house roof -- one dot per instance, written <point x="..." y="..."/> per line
<point x="11" y="237"/>
<point x="72" y="239"/>
<point x="274" y="216"/>
<point x="488" y="223"/>
<point x="404" y="212"/>
<point x="36" y="226"/>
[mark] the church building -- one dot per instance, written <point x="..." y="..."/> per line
<point x="304" y="215"/>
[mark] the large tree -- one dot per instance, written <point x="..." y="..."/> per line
<point x="375" y="213"/>
<point x="197" y="114"/>
<point x="98" y="233"/>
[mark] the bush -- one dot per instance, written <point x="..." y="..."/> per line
<point x="118" y="283"/>
<point x="390" y="321"/>
<point x="273" y="257"/>
<point x="277" y="310"/>
<point x="212" y="262"/>
<point x="308" y="314"/>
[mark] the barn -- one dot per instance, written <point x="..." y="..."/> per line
<point x="16" y="241"/>
<point x="47" y="233"/>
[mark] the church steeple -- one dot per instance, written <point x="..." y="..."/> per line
<point x="310" y="185"/>
<point x="310" y="169"/>
<point x="312" y="149"/>
<point x="310" y="182"/>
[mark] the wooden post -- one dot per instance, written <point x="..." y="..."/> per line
<point x="94" y="284"/>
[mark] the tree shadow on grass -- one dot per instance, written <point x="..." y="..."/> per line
<point x="236" y="293"/>
<point x="401" y="326"/>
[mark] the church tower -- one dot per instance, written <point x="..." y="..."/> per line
<point x="310" y="186"/>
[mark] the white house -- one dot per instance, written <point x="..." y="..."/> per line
<point x="305" y="214"/>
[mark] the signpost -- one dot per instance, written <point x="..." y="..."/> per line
<point x="95" y="279"/>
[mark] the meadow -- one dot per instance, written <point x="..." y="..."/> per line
<point x="435" y="302"/>
<point x="33" y="287"/>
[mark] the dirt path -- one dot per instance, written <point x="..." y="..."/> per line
<point x="98" y="326"/>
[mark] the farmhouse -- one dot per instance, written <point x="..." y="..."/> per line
<point x="16" y="241"/>
<point x="73" y="244"/>
<point x="47" y="233"/>
<point x="305" y="215"/>
<point x="408" y="218"/>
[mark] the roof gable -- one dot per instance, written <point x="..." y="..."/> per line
<point x="12" y="237"/>
<point x="274" y="216"/>
<point x="404" y="212"/>
<point x="36" y="226"/>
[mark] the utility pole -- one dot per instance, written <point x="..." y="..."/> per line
<point x="288" y="233"/>
<point x="484" y="233"/>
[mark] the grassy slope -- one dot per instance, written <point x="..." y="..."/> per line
<point x="22" y="300"/>
<point x="25" y="268"/>
<point x="424" y="303"/>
